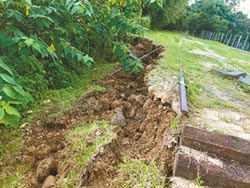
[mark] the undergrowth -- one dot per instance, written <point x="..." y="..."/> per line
<point x="12" y="166"/>
<point x="140" y="175"/>
<point x="84" y="142"/>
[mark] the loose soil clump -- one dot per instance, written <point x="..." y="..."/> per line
<point x="140" y="122"/>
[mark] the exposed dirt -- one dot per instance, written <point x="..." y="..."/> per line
<point x="141" y="136"/>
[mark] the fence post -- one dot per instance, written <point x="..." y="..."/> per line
<point x="202" y="34"/>
<point x="221" y="39"/>
<point x="225" y="39"/>
<point x="238" y="43"/>
<point x="234" y="40"/>
<point x="244" y="45"/>
<point x="210" y="37"/>
<point x="228" y="41"/>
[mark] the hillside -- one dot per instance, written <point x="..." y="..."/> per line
<point x="113" y="130"/>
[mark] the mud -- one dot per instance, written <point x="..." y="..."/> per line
<point x="141" y="136"/>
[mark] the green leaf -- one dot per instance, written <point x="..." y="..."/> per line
<point x="1" y="113"/>
<point x="11" y="120"/>
<point x="12" y="111"/>
<point x="28" y="2"/>
<point x="29" y="42"/>
<point x="5" y="67"/>
<point x="10" y="92"/>
<point x="8" y="79"/>
<point x="19" y="90"/>
<point x="15" y="30"/>
<point x="36" y="46"/>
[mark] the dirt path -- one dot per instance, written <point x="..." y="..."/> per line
<point x="142" y="121"/>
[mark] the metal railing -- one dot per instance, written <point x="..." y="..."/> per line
<point x="237" y="41"/>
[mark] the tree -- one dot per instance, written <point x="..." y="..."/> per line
<point x="170" y="13"/>
<point x="212" y="15"/>
<point x="233" y="4"/>
<point x="217" y="16"/>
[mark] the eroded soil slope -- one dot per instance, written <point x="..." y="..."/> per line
<point x="140" y="136"/>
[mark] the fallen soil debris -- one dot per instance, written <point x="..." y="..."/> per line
<point x="139" y="122"/>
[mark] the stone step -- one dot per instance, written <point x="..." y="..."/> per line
<point x="220" y="145"/>
<point x="192" y="165"/>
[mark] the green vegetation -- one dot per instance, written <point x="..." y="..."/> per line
<point x="199" y="181"/>
<point x="11" y="95"/>
<point x="217" y="16"/>
<point x="205" y="88"/>
<point x="85" y="141"/>
<point x="169" y="15"/>
<point x="62" y="98"/>
<point x="12" y="166"/>
<point x="140" y="174"/>
<point x="49" y="44"/>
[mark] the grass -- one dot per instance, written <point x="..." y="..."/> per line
<point x="10" y="139"/>
<point x="197" y="69"/>
<point x="11" y="170"/>
<point x="139" y="174"/>
<point x="62" y="98"/>
<point x="84" y="142"/>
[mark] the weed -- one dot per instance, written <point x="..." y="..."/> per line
<point x="197" y="73"/>
<point x="219" y="131"/>
<point x="9" y="148"/>
<point x="199" y="181"/>
<point x="226" y="119"/>
<point x="176" y="121"/>
<point x="215" y="102"/>
<point x="140" y="174"/>
<point x="62" y="98"/>
<point x="84" y="142"/>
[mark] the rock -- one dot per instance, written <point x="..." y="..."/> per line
<point x="139" y="46"/>
<point x="142" y="126"/>
<point x="132" y="113"/>
<point x="42" y="151"/>
<point x="45" y="168"/>
<point x="115" y="104"/>
<point x="150" y="67"/>
<point x="119" y="119"/>
<point x="3" y="175"/>
<point x="147" y="103"/>
<point x="30" y="159"/>
<point x="134" y="84"/>
<point x="131" y="98"/>
<point x="163" y="168"/>
<point x="140" y="99"/>
<point x="137" y="136"/>
<point x="49" y="182"/>
<point x="89" y="142"/>
<point x="176" y="105"/>
<point x="31" y="150"/>
<point x="34" y="183"/>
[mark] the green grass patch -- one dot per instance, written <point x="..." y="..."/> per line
<point x="84" y="142"/>
<point x="62" y="98"/>
<point x="140" y="174"/>
<point x="11" y="168"/>
<point x="200" y="81"/>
